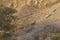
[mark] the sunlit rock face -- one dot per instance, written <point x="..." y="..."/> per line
<point x="41" y="3"/>
<point x="34" y="3"/>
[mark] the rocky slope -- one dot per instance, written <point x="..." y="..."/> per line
<point x="35" y="17"/>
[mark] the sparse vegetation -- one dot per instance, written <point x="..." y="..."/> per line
<point x="55" y="36"/>
<point x="4" y="36"/>
<point x="5" y="21"/>
<point x="6" y="17"/>
<point x="36" y="38"/>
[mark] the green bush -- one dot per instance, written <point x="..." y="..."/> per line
<point x="6" y="17"/>
<point x="4" y="36"/>
<point x="6" y="10"/>
<point x="5" y="21"/>
<point x="55" y="36"/>
<point x="36" y="38"/>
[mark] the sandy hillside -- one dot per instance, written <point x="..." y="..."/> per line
<point x="36" y="11"/>
<point x="35" y="17"/>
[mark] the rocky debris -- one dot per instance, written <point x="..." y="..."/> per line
<point x="41" y="30"/>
